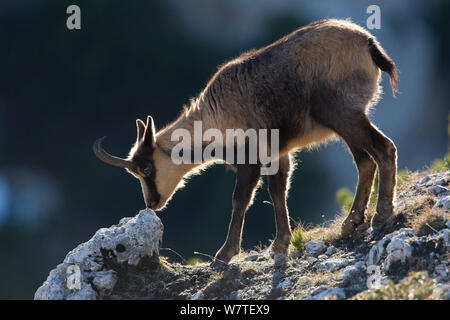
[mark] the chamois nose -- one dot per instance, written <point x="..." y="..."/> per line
<point x="153" y="204"/>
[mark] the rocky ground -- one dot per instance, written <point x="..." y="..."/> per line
<point x="408" y="259"/>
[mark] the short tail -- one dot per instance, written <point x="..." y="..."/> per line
<point x="384" y="62"/>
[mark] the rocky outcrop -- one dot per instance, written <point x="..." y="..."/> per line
<point x="91" y="270"/>
<point x="122" y="262"/>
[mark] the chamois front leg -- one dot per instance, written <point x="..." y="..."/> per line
<point x="247" y="179"/>
<point x="278" y="188"/>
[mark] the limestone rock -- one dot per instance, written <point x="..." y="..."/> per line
<point x="315" y="248"/>
<point x="85" y="272"/>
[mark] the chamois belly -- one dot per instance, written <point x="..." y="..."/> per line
<point x="316" y="134"/>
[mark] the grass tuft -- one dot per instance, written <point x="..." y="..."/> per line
<point x="429" y="221"/>
<point x="299" y="239"/>
<point x="194" y="261"/>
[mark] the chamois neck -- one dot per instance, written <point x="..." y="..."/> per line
<point x="184" y="121"/>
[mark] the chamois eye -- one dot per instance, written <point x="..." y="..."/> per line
<point x="148" y="169"/>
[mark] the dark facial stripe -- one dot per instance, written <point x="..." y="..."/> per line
<point x="153" y="195"/>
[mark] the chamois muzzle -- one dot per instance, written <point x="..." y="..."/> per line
<point x="109" y="159"/>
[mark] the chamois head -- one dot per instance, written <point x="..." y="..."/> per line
<point x="158" y="175"/>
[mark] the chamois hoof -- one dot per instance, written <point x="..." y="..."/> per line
<point x="218" y="265"/>
<point x="349" y="226"/>
<point x="379" y="219"/>
<point x="278" y="249"/>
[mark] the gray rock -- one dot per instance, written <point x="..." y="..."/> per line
<point x="442" y="291"/>
<point x="236" y="295"/>
<point x="53" y="290"/>
<point x="252" y="257"/>
<point x="422" y="181"/>
<point x="279" y="260"/>
<point x="199" y="295"/>
<point x="317" y="290"/>
<point x="436" y="179"/>
<point x="315" y="248"/>
<point x="378" y="250"/>
<point x="439" y="191"/>
<point x="286" y="283"/>
<point x="332" y="264"/>
<point x="442" y="272"/>
<point x="322" y="257"/>
<point x="129" y="242"/>
<point x="398" y="250"/>
<point x="443" y="203"/>
<point x="85" y="293"/>
<point x="339" y="293"/>
<point x="353" y="274"/>
<point x="302" y="264"/>
<point x="440" y="182"/>
<point x="331" y="250"/>
<point x="446" y="236"/>
<point x="376" y="281"/>
<point x="311" y="260"/>
<point x="105" y="281"/>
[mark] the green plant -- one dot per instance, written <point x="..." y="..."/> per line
<point x="194" y="261"/>
<point x="299" y="238"/>
<point x="345" y="198"/>
<point x="441" y="164"/>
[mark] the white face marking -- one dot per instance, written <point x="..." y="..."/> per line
<point x="169" y="176"/>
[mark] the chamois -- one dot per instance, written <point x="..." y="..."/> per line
<point x="313" y="85"/>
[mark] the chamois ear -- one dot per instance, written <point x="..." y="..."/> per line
<point x="140" y="125"/>
<point x="149" y="134"/>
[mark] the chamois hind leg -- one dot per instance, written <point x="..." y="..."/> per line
<point x="356" y="129"/>
<point x="384" y="152"/>
<point x="247" y="179"/>
<point x="366" y="172"/>
<point x="278" y="185"/>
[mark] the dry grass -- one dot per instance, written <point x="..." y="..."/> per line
<point x="429" y="221"/>
<point x="311" y="280"/>
<point x="416" y="213"/>
<point x="329" y="232"/>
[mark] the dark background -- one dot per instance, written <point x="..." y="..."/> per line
<point x="61" y="89"/>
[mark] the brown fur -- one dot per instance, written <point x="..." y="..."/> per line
<point x="313" y="85"/>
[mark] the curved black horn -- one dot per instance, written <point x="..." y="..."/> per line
<point x="109" y="159"/>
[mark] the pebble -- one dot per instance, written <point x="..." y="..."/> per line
<point x="443" y="203"/>
<point x="315" y="248"/>
<point x="331" y="250"/>
<point x="332" y="264"/>
<point x="199" y="295"/>
<point x="311" y="260"/>
<point x="439" y="191"/>
<point x="284" y="284"/>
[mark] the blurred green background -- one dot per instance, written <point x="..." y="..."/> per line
<point x="61" y="89"/>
